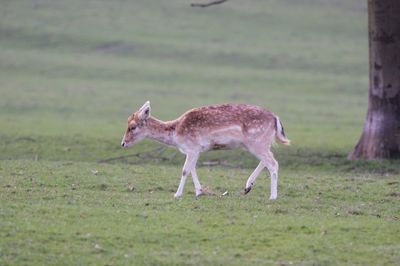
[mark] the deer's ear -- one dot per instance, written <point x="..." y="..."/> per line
<point x="144" y="111"/>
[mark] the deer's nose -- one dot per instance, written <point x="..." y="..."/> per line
<point x="123" y="144"/>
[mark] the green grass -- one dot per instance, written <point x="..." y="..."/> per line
<point x="72" y="71"/>
<point x="88" y="213"/>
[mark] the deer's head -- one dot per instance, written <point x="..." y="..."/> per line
<point x="137" y="126"/>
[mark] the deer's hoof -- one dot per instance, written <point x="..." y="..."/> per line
<point x="247" y="190"/>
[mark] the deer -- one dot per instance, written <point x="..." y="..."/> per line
<point x="213" y="127"/>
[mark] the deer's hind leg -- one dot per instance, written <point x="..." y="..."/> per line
<point x="267" y="160"/>
<point x="273" y="167"/>
<point x="252" y="178"/>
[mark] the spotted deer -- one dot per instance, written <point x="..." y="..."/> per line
<point x="223" y="126"/>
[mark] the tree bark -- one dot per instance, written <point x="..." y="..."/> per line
<point x="381" y="134"/>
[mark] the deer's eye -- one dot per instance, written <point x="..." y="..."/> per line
<point x="132" y="128"/>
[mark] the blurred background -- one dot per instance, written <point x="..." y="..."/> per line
<point x="72" y="71"/>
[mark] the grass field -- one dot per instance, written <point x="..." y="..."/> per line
<point x="72" y="71"/>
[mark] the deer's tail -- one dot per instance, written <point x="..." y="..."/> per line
<point x="280" y="132"/>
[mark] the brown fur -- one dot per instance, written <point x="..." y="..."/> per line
<point x="207" y="118"/>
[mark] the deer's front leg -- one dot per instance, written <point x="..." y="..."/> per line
<point x="196" y="182"/>
<point x="190" y="163"/>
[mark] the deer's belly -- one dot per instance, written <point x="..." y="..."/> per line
<point x="222" y="143"/>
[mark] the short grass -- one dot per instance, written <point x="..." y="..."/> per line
<point x="72" y="71"/>
<point x="89" y="213"/>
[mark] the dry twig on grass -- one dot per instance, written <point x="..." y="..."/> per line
<point x="152" y="154"/>
<point x="218" y="2"/>
<point x="219" y="162"/>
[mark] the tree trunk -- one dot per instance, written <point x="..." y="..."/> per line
<point x="381" y="135"/>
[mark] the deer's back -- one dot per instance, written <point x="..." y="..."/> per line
<point x="207" y="119"/>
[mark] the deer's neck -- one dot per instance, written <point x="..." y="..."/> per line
<point x="161" y="131"/>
